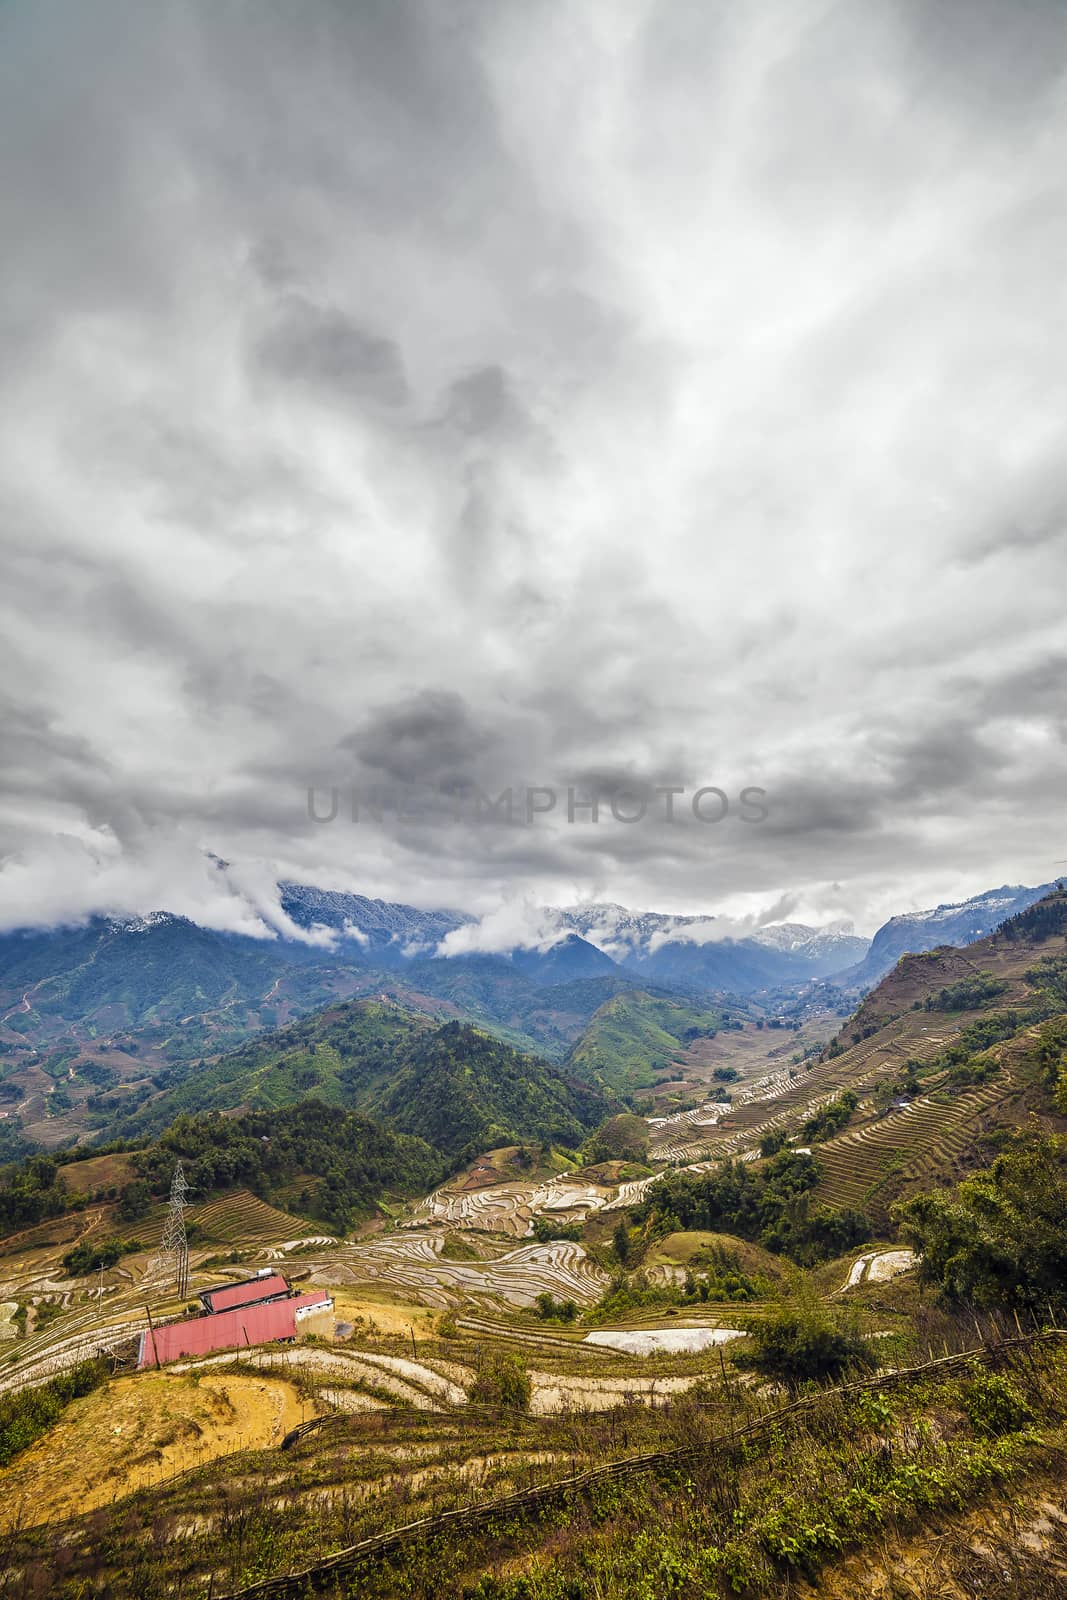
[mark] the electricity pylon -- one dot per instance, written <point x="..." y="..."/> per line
<point x="175" y="1245"/>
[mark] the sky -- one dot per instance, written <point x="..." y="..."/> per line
<point x="540" y="395"/>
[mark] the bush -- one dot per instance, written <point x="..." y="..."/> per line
<point x="767" y="1201"/>
<point x="1000" y="1238"/>
<point x="993" y="1404"/>
<point x="550" y="1309"/>
<point x="88" y="1257"/>
<point x="502" y="1380"/>
<point x="28" y="1414"/>
<point x="968" y="994"/>
<point x="546" y="1229"/>
<point x="134" y="1201"/>
<point x="831" y="1118"/>
<point x="801" y="1343"/>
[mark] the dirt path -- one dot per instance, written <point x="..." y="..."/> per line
<point x="137" y="1431"/>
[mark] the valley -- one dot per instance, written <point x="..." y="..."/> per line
<point x="508" y="1317"/>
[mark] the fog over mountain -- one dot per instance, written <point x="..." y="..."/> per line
<point x="618" y="397"/>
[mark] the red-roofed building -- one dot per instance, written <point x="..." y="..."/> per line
<point x="231" y="1330"/>
<point x="250" y="1292"/>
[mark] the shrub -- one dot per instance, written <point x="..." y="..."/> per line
<point x="550" y="1309"/>
<point x="831" y="1118"/>
<point x="994" y="1405"/>
<point x="802" y="1343"/>
<point x="1001" y="1236"/>
<point x="88" y="1257"/>
<point x="502" y="1380"/>
<point x="28" y="1414"/>
<point x="771" y="1143"/>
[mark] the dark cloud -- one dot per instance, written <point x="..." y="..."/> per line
<point x="531" y="395"/>
<point x="322" y="348"/>
<point x="431" y="738"/>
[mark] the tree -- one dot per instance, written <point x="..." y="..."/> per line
<point x="134" y="1200"/>
<point x="1000" y="1237"/>
<point x="621" y="1241"/>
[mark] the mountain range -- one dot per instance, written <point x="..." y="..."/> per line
<point x="97" y="1019"/>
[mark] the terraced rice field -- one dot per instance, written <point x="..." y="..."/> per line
<point x="672" y="1137"/>
<point x="795" y="1099"/>
<point x="356" y="1379"/>
<point x="913" y="1145"/>
<point x="509" y="1208"/>
<point x="241" y="1219"/>
<point x="413" y="1266"/>
<point x="878" y="1266"/>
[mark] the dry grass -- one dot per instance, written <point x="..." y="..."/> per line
<point x="138" y="1431"/>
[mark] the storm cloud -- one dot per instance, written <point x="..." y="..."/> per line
<point x="620" y="392"/>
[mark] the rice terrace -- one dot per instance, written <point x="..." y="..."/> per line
<point x="533" y="888"/>
<point x="547" y="1326"/>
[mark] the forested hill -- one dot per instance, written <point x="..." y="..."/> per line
<point x="325" y="1163"/>
<point x="451" y="1085"/>
<point x="338" y="1056"/>
<point x="464" y="1092"/>
<point x="634" y="1037"/>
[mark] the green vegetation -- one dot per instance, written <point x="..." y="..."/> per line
<point x="1041" y="921"/>
<point x="29" y="1193"/>
<point x="453" y="1086"/>
<point x="621" y="1138"/>
<point x="502" y="1380"/>
<point x="1049" y="1056"/>
<point x="769" y="1202"/>
<point x="968" y="994"/>
<point x="999" y="1238"/>
<point x="547" y="1228"/>
<point x="803" y="1343"/>
<point x="714" y="1275"/>
<point x="635" y="1037"/>
<point x="768" y="1517"/>
<point x="549" y="1309"/>
<point x="341" y="1162"/>
<point x="339" y="1056"/>
<point x="449" y="1087"/>
<point x="830" y="1119"/>
<point x="463" y="1092"/>
<point x="91" y="1255"/>
<point x="994" y="1405"/>
<point x="29" y="1413"/>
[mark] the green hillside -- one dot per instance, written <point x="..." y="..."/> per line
<point x="465" y="1092"/>
<point x="950" y="1054"/>
<point x="325" y="1163"/>
<point x="337" y="1056"/>
<point x="451" y="1085"/>
<point x="634" y="1037"/>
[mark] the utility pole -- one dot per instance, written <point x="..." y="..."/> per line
<point x="152" y="1334"/>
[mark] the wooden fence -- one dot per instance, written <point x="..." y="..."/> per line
<point x="383" y="1544"/>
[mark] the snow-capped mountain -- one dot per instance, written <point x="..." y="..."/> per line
<point x="374" y="924"/>
<point x="714" y="951"/>
<point x="961" y="924"/>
